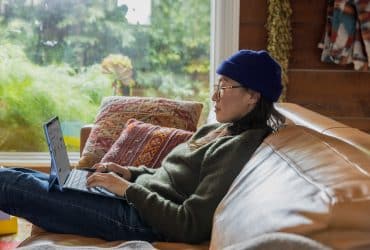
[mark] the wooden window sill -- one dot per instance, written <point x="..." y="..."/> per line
<point x="35" y="160"/>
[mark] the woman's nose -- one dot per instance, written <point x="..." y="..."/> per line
<point x="214" y="96"/>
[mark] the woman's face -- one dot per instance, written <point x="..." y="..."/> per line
<point x="232" y="101"/>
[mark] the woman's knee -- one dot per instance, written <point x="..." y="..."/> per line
<point x="6" y="175"/>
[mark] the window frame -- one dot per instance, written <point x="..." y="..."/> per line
<point x="225" y="23"/>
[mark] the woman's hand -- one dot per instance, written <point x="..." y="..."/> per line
<point x="113" y="167"/>
<point x="110" y="181"/>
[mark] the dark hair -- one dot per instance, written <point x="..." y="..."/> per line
<point x="262" y="115"/>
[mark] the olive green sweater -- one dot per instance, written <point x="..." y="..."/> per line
<point x="180" y="198"/>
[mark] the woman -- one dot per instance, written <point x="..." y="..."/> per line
<point x="177" y="201"/>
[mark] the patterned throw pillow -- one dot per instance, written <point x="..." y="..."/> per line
<point x="144" y="144"/>
<point x="116" y="110"/>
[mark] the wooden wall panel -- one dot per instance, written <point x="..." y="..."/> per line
<point x="252" y="11"/>
<point x="333" y="90"/>
<point x="252" y="24"/>
<point x="308" y="11"/>
<point x="334" y="93"/>
<point x="254" y="35"/>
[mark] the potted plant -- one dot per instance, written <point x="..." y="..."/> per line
<point x="120" y="68"/>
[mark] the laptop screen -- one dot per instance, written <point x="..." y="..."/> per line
<point x="58" y="151"/>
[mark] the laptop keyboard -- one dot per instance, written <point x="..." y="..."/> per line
<point x="77" y="180"/>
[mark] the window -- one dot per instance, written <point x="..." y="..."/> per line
<point x="56" y="59"/>
<point x="224" y="36"/>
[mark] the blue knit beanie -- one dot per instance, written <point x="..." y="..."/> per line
<point x="255" y="70"/>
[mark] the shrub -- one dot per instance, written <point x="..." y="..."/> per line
<point x="31" y="94"/>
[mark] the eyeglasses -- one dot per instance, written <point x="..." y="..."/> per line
<point x="219" y="90"/>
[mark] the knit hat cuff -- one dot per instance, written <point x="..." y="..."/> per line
<point x="230" y="70"/>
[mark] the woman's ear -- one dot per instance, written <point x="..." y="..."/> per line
<point x="255" y="96"/>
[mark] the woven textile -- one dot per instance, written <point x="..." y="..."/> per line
<point x="144" y="144"/>
<point x="347" y="33"/>
<point x="116" y="110"/>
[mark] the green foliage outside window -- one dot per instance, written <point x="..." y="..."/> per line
<point x="51" y="51"/>
<point x="30" y="94"/>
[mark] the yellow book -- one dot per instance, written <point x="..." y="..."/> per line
<point x="9" y="226"/>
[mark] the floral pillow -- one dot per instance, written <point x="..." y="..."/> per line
<point x="116" y="110"/>
<point x="144" y="144"/>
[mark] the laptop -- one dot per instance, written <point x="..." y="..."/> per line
<point x="60" y="170"/>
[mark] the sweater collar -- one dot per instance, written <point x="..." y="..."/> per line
<point x="245" y="123"/>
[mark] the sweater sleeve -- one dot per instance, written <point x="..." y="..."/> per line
<point x="191" y="221"/>
<point x="137" y="171"/>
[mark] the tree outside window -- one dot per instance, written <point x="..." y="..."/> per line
<point x="52" y="53"/>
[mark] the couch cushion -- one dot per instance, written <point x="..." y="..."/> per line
<point x="144" y="144"/>
<point x="299" y="115"/>
<point x="116" y="110"/>
<point x="274" y="241"/>
<point x="40" y="237"/>
<point x="298" y="181"/>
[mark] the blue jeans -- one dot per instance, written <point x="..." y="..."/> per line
<point x="24" y="193"/>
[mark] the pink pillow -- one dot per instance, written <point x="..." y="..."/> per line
<point x="116" y="110"/>
<point x="144" y="144"/>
